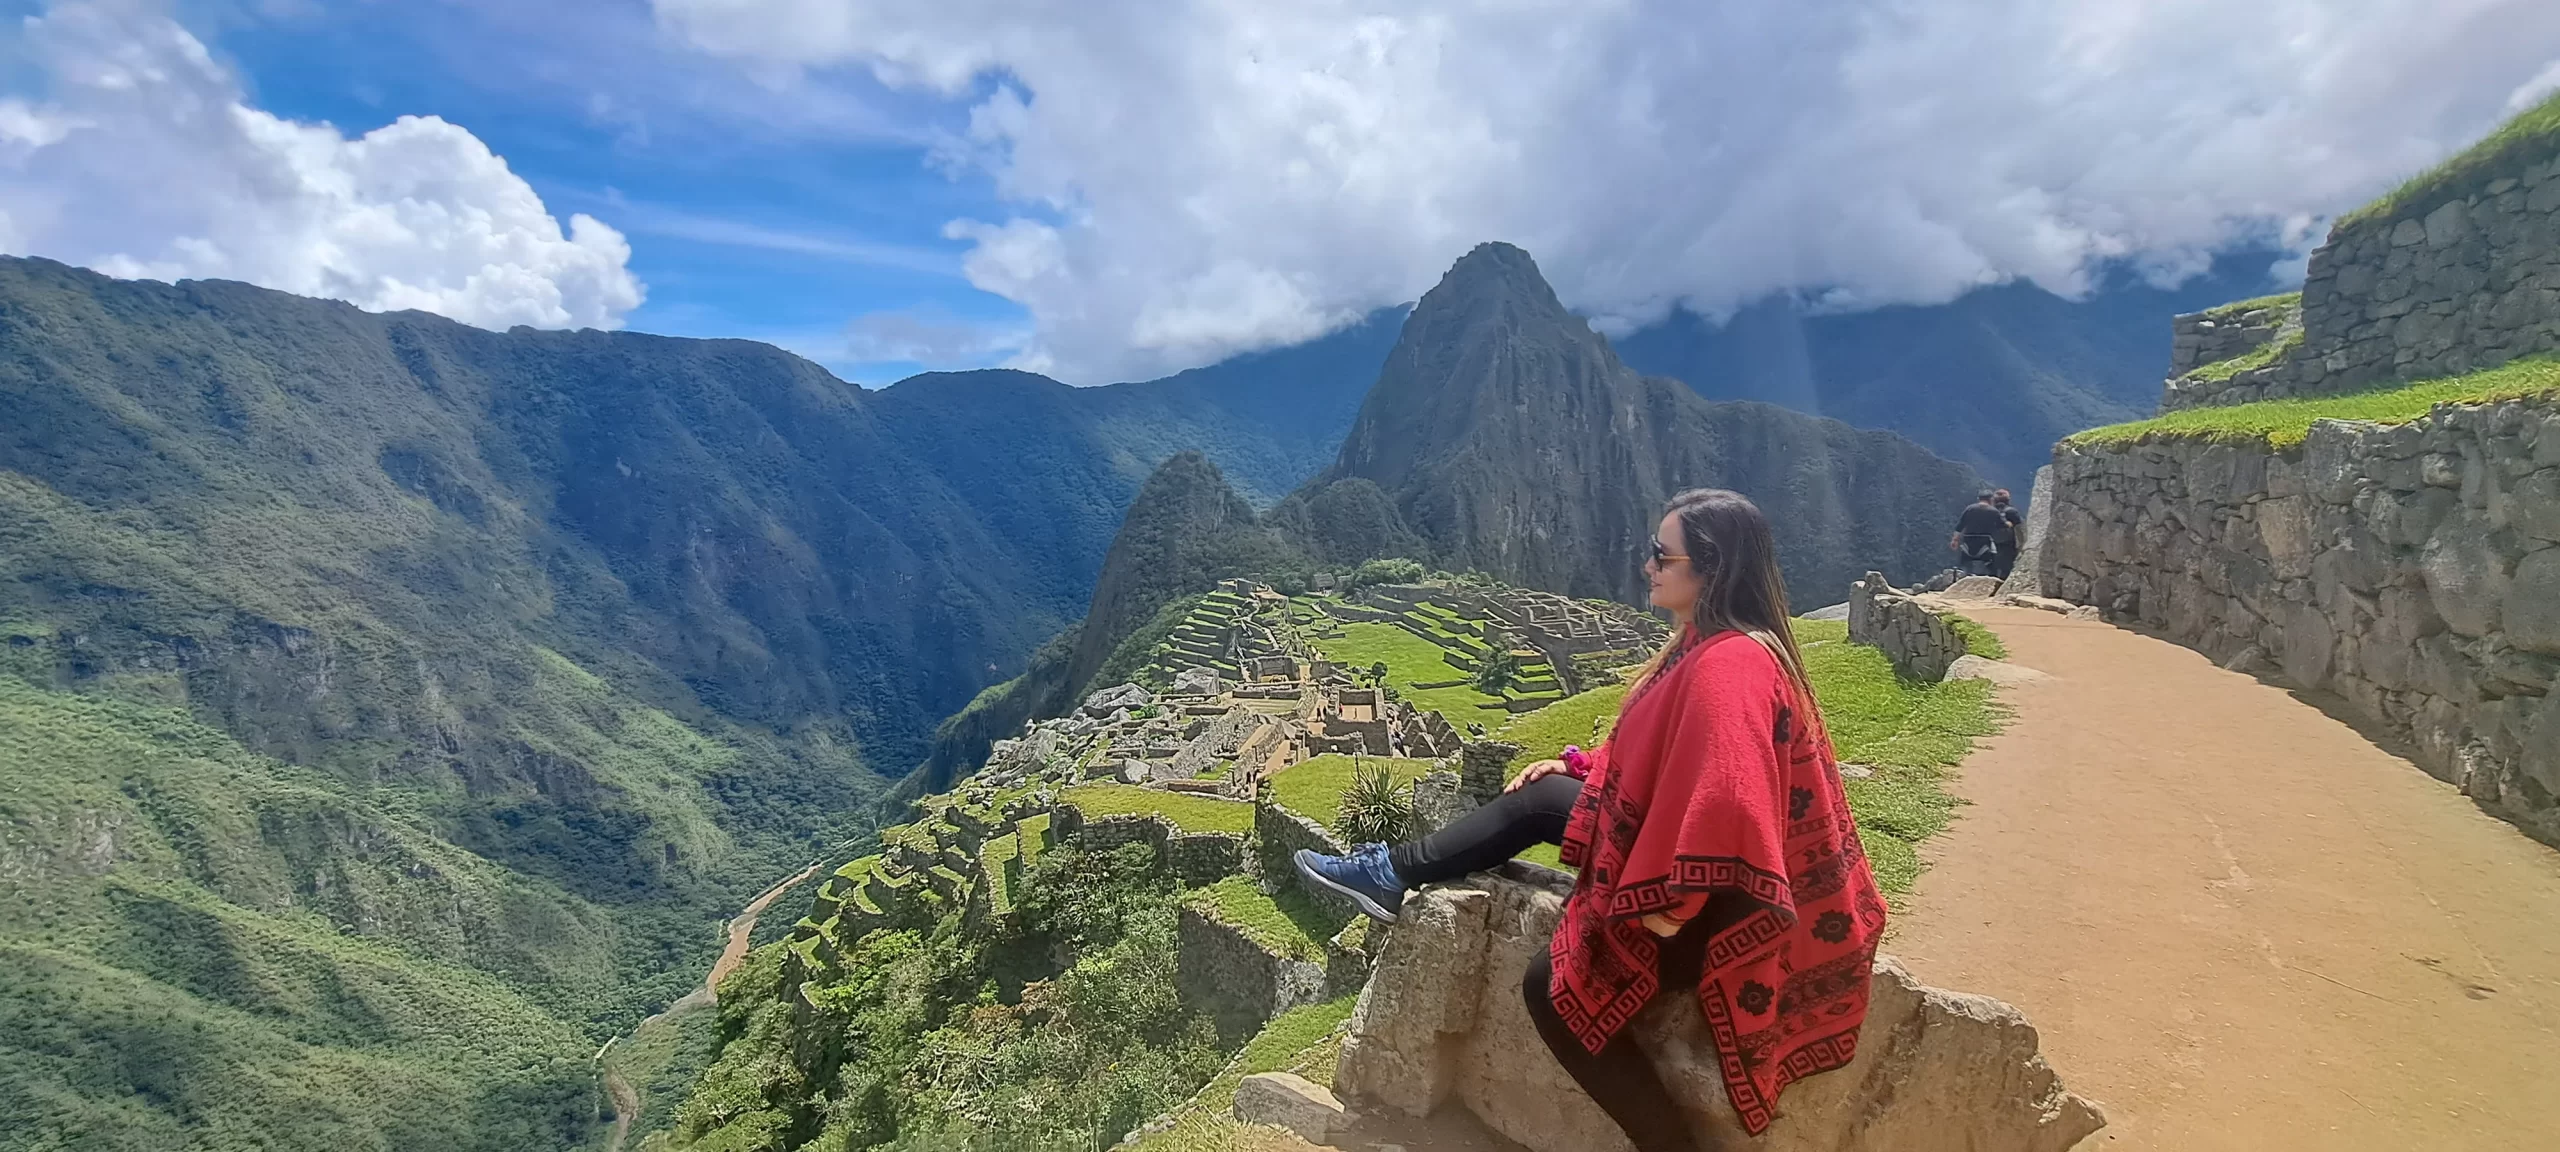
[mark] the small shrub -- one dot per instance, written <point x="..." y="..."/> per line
<point x="1376" y="808"/>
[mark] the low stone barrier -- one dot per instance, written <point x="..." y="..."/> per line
<point x="1441" y="1022"/>
<point x="1920" y="644"/>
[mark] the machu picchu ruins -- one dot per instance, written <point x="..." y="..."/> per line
<point x="1250" y="685"/>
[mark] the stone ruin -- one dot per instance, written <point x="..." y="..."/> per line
<point x="1920" y="643"/>
<point x="1440" y="1024"/>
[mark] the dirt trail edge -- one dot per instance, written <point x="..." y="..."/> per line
<point x="733" y="951"/>
<point x="2236" y="922"/>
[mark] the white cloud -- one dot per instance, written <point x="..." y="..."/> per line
<point x="1200" y="176"/>
<point x="143" y="160"/>
<point x="931" y="336"/>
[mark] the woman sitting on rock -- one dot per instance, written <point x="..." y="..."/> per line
<point x="1714" y="844"/>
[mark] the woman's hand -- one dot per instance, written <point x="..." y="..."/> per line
<point x="1661" y="925"/>
<point x="1542" y="768"/>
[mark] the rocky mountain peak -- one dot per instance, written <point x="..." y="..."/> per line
<point x="1508" y="437"/>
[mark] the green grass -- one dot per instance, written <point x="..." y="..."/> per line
<point x="1910" y="733"/>
<point x="2284" y="424"/>
<point x="1410" y="660"/>
<point x="1186" y="812"/>
<point x="1543" y="734"/>
<point x="1978" y="640"/>
<point x="1305" y="1040"/>
<point x="991" y="861"/>
<point x="2536" y="130"/>
<point x="2237" y="307"/>
<point x="1289" y="925"/>
<point x="1313" y="788"/>
<point x="1030" y="834"/>
<point x="2249" y="361"/>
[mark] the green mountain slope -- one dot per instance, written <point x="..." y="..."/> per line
<point x="203" y="948"/>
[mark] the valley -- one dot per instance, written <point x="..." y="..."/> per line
<point x="419" y="735"/>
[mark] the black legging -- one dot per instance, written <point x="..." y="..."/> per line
<point x="1620" y="1078"/>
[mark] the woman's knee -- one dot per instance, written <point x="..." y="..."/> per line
<point x="1554" y="794"/>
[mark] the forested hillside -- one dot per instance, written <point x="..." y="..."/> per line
<point x="395" y="708"/>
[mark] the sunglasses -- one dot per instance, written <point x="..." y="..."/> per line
<point x="1660" y="555"/>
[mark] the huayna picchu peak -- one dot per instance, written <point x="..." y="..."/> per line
<point x="1508" y="438"/>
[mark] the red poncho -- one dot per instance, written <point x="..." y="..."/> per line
<point x="1719" y="783"/>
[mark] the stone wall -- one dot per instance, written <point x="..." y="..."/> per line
<point x="2027" y="579"/>
<point x="2412" y="570"/>
<point x="2457" y="278"/>
<point x="1195" y="857"/>
<point x="1441" y="1022"/>
<point x="1278" y="834"/>
<point x="1920" y="644"/>
<point x="1222" y="971"/>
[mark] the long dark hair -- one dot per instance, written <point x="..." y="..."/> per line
<point x="1729" y="546"/>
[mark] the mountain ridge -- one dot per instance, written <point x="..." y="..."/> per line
<point x="1507" y="435"/>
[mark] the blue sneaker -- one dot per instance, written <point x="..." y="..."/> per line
<point x="1365" y="877"/>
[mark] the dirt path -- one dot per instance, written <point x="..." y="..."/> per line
<point x="733" y="951"/>
<point x="2236" y="922"/>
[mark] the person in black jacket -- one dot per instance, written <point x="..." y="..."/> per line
<point x="1977" y="537"/>
<point x="2013" y="534"/>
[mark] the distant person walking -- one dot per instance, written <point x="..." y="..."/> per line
<point x="1715" y="850"/>
<point x="2013" y="534"/>
<point x="1977" y="537"/>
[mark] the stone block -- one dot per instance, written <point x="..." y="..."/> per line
<point x="1286" y="1100"/>
<point x="2466" y="575"/>
<point x="2310" y="647"/>
<point x="2532" y="611"/>
<point x="2284" y="532"/>
<point x="2533" y="507"/>
<point x="1442" y="1021"/>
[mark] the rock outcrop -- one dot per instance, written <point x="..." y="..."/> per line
<point x="1506" y="435"/>
<point x="2027" y="578"/>
<point x="2413" y="570"/>
<point x="1442" y="1023"/>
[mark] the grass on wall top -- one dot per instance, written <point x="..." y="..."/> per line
<point x="2536" y="129"/>
<point x="2284" y="424"/>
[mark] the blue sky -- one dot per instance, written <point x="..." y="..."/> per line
<point x="752" y="213"/>
<point x="772" y="215"/>
<point x="1119" y="189"/>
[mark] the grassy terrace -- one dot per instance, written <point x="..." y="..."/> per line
<point x="1313" y="788"/>
<point x="1289" y="925"/>
<point x="1410" y="660"/>
<point x="1030" y="836"/>
<point x="1581" y="720"/>
<point x="2284" y="424"/>
<point x="2532" y="134"/>
<point x="2251" y="360"/>
<point x="1189" y="813"/>
<point x="992" y="858"/>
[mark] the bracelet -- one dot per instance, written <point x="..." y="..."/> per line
<point x="1576" y="764"/>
